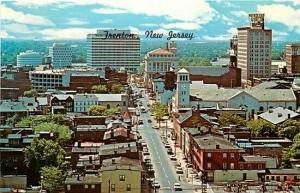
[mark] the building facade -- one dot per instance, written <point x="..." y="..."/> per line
<point x="114" y="48"/>
<point x="29" y="58"/>
<point x="160" y="61"/>
<point x="254" y="50"/>
<point x="42" y="80"/>
<point x="292" y="58"/>
<point x="61" y="55"/>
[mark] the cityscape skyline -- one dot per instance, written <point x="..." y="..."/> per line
<point x="208" y="20"/>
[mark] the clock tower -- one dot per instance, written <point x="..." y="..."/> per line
<point x="182" y="95"/>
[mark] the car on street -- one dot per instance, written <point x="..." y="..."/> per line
<point x="167" y="145"/>
<point x="173" y="158"/>
<point x="169" y="151"/>
<point x="143" y="109"/>
<point x="179" y="170"/>
<point x="140" y="122"/>
<point x="155" y="184"/>
<point x="146" y="153"/>
<point x="177" y="187"/>
<point x="149" y="121"/>
<point x="155" y="127"/>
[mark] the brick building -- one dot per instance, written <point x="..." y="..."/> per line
<point x="14" y="81"/>
<point x="223" y="76"/>
<point x="292" y="58"/>
<point x="65" y="101"/>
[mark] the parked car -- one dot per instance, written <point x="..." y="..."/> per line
<point x="149" y="121"/>
<point x="167" y="145"/>
<point x="140" y="122"/>
<point x="169" y="151"/>
<point x="177" y="187"/>
<point x="173" y="158"/>
<point x="155" y="184"/>
<point x="155" y="127"/>
<point x="146" y="153"/>
<point x="179" y="170"/>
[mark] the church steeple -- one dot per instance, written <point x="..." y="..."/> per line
<point x="182" y="96"/>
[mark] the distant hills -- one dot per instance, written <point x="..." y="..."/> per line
<point x="201" y="51"/>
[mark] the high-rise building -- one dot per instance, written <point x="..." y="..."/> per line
<point x="61" y="55"/>
<point x="160" y="60"/>
<point x="233" y="51"/>
<point x="254" y="49"/>
<point x="114" y="48"/>
<point x="292" y="58"/>
<point x="29" y="58"/>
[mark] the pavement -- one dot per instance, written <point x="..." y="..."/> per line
<point x="165" y="172"/>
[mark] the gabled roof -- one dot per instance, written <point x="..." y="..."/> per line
<point x="273" y="94"/>
<point x="63" y="96"/>
<point x="183" y="70"/>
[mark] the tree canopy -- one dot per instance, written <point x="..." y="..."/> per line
<point x="226" y="119"/>
<point x="262" y="128"/>
<point x="43" y="153"/>
<point x="289" y="129"/>
<point x="52" y="179"/>
<point x="62" y="132"/>
<point x="99" y="110"/>
<point x="158" y="110"/>
<point x="117" y="88"/>
<point x="30" y="93"/>
<point x="100" y="89"/>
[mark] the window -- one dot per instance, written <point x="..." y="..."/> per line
<point x="241" y="166"/>
<point x="272" y="177"/>
<point x="128" y="187"/>
<point x="208" y="165"/>
<point x="224" y="166"/>
<point x="224" y="155"/>
<point x="232" y="155"/>
<point x="86" y="186"/>
<point x="93" y="186"/>
<point x="113" y="187"/>
<point x="122" y="177"/>
<point x="259" y="166"/>
<point x="261" y="108"/>
<point x="232" y="166"/>
<point x="209" y="155"/>
<point x="68" y="187"/>
<point x="124" y="103"/>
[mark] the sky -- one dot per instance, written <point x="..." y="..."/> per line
<point x="209" y="20"/>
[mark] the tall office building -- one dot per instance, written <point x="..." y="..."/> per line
<point x="254" y="49"/>
<point x="29" y="58"/>
<point x="61" y="55"/>
<point x="114" y="48"/>
<point x="292" y="58"/>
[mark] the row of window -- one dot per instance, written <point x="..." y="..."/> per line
<point x="224" y="155"/>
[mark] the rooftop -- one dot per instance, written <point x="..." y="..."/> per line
<point x="212" y="142"/>
<point x="160" y="51"/>
<point x="208" y="70"/>
<point x="278" y="115"/>
<point x="121" y="163"/>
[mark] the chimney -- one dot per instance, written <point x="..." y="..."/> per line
<point x="79" y="143"/>
<point x="279" y="114"/>
<point x="113" y="161"/>
<point x="289" y="115"/>
<point x="217" y="146"/>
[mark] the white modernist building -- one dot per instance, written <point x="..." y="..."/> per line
<point x="61" y="55"/>
<point x="114" y="48"/>
<point x="29" y="58"/>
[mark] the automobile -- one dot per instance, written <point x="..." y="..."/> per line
<point x="140" y="122"/>
<point x="167" y="145"/>
<point x="155" y="127"/>
<point x="150" y="180"/>
<point x="145" y="149"/>
<point x="143" y="109"/>
<point x="169" y="151"/>
<point x="173" y="158"/>
<point x="155" y="184"/>
<point x="144" y="144"/>
<point x="189" y="165"/>
<point x="146" y="153"/>
<point x="173" y="138"/>
<point x="149" y="121"/>
<point x="177" y="186"/>
<point x="179" y="170"/>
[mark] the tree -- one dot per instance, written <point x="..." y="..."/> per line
<point x="60" y="119"/>
<point x="38" y="119"/>
<point x="289" y="129"/>
<point x="158" y="110"/>
<point x="96" y="110"/>
<point x="42" y="153"/>
<point x="99" y="88"/>
<point x="52" y="179"/>
<point x="112" y="111"/>
<point x="63" y="132"/>
<point x="30" y="93"/>
<point x="13" y="119"/>
<point x="262" y="128"/>
<point x="227" y="119"/>
<point x="117" y="88"/>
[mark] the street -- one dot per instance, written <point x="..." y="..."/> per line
<point x="165" y="172"/>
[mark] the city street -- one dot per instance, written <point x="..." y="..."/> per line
<point x="165" y="172"/>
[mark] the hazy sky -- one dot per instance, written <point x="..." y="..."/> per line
<point x="208" y="20"/>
